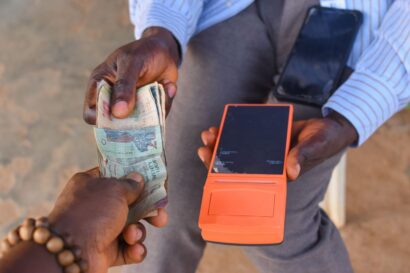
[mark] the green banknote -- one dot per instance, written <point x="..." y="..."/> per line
<point x="135" y="144"/>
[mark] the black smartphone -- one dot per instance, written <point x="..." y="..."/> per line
<point x="318" y="58"/>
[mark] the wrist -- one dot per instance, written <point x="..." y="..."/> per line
<point x="39" y="236"/>
<point x="75" y="232"/>
<point x="166" y="38"/>
<point x="347" y="128"/>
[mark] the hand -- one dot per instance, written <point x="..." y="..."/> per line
<point x="313" y="141"/>
<point x="208" y="138"/>
<point x="154" y="57"/>
<point x="94" y="211"/>
<point x="316" y="140"/>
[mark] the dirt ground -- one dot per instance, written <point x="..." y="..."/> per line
<point x="47" y="51"/>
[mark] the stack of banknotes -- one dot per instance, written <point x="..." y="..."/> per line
<point x="135" y="144"/>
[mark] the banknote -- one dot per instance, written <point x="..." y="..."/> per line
<point x="129" y="145"/>
<point x="145" y="113"/>
<point x="135" y="144"/>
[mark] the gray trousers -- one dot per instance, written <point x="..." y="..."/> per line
<point x="233" y="62"/>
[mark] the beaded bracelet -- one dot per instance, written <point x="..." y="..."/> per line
<point x="39" y="231"/>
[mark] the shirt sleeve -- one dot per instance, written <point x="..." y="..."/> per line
<point x="380" y="85"/>
<point x="178" y="16"/>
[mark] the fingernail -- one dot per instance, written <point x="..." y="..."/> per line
<point x="138" y="234"/>
<point x="120" y="108"/>
<point x="297" y="169"/>
<point x="171" y="91"/>
<point x="135" y="176"/>
<point x="201" y="157"/>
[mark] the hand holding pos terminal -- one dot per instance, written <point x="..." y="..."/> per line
<point x="244" y="196"/>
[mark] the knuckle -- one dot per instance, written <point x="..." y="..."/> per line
<point x="122" y="88"/>
<point x="79" y="177"/>
<point x="120" y="83"/>
<point x="101" y="70"/>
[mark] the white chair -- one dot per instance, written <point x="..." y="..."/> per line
<point x="334" y="202"/>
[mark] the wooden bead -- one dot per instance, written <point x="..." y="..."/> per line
<point x="26" y="232"/>
<point x="5" y="245"/>
<point x="55" y="244"/>
<point x="29" y="222"/>
<point x="41" y="235"/>
<point x="72" y="268"/>
<point x="65" y="258"/>
<point x="42" y="222"/>
<point x="13" y="237"/>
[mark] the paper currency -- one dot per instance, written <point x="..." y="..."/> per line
<point x="135" y="144"/>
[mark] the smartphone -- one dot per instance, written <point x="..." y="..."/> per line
<point x="244" y="197"/>
<point x="318" y="58"/>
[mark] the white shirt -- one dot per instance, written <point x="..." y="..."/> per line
<point x="380" y="85"/>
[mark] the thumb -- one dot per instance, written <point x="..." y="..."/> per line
<point x="298" y="157"/>
<point x="124" y="89"/>
<point x="132" y="186"/>
<point x="293" y="165"/>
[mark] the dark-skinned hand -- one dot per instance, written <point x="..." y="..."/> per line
<point x="154" y="57"/>
<point x="312" y="142"/>
<point x="93" y="210"/>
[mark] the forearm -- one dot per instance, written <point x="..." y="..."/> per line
<point x="29" y="257"/>
<point x="380" y="86"/>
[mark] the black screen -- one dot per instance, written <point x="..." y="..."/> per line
<point x="253" y="140"/>
<point x="319" y="54"/>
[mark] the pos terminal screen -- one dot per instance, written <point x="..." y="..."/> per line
<point x="253" y="140"/>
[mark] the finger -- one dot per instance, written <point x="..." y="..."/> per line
<point x="214" y="130"/>
<point x="292" y="165"/>
<point x="123" y="97"/>
<point x="170" y="88"/>
<point x="205" y="154"/>
<point x="135" y="253"/>
<point x="170" y="92"/>
<point x="160" y="220"/>
<point x="101" y="72"/>
<point x="209" y="139"/>
<point x="131" y="254"/>
<point x="303" y="155"/>
<point x="134" y="233"/>
<point x="297" y="127"/>
<point x="90" y="102"/>
<point x="131" y="187"/>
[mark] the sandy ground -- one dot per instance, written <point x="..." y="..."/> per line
<point x="47" y="51"/>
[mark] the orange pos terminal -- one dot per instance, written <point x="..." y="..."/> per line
<point x="244" y="197"/>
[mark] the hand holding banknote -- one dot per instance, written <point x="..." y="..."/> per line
<point x="152" y="58"/>
<point x="134" y="144"/>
